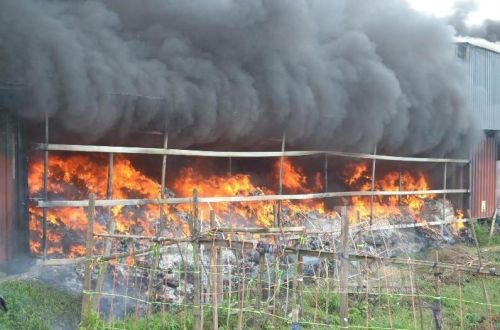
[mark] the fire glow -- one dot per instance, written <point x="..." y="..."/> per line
<point x="74" y="177"/>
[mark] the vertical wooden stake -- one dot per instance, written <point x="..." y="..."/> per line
<point x="196" y="260"/>
<point x="344" y="270"/>
<point x="400" y="182"/>
<point x="260" y="284"/>
<point x="444" y="196"/>
<point x="436" y="308"/>
<point x="492" y="228"/>
<point x="214" y="261"/>
<point x="367" y="294"/>
<point x="460" y="299"/>
<point x="108" y="242"/>
<point x="89" y="250"/>
<point x="388" y="294"/>
<point x="410" y="274"/>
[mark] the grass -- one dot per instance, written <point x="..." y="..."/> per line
<point x="36" y="306"/>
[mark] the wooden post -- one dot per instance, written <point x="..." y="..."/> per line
<point x="344" y="270"/>
<point x="282" y="160"/>
<point x="325" y="184"/>
<point x="492" y="228"/>
<point x="260" y="284"/>
<point x="388" y="294"/>
<point x="45" y="188"/>
<point x="460" y="299"/>
<point x="436" y="307"/>
<point x="410" y="274"/>
<point x="108" y="242"/>
<point x="242" y="293"/>
<point x="155" y="260"/>
<point x="214" y="285"/>
<point x="444" y="196"/>
<point x="89" y="250"/>
<point x="163" y="177"/>
<point x="374" y="163"/>
<point x="196" y="260"/>
<point x="400" y="184"/>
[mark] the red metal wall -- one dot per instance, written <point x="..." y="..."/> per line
<point x="483" y="179"/>
<point x="13" y="187"/>
<point x="7" y="207"/>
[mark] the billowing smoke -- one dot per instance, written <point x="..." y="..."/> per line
<point x="489" y="29"/>
<point x="343" y="74"/>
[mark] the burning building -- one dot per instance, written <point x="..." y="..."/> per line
<point x="230" y="79"/>
<point x="482" y="60"/>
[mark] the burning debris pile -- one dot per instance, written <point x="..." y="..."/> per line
<point x="74" y="177"/>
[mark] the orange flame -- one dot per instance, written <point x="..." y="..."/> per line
<point x="74" y="177"/>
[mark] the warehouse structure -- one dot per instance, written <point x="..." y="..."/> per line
<point x="482" y="60"/>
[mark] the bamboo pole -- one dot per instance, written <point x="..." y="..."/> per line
<point x="107" y="241"/>
<point x="344" y="271"/>
<point x="89" y="250"/>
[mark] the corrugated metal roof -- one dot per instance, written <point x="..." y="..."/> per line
<point x="478" y="42"/>
<point x="483" y="79"/>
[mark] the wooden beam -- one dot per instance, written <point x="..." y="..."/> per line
<point x="238" y="199"/>
<point x="236" y="154"/>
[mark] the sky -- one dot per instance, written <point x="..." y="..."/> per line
<point x="487" y="9"/>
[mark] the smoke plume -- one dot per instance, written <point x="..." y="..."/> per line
<point x="489" y="29"/>
<point x="343" y="74"/>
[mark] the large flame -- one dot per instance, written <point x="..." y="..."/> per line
<point x="357" y="177"/>
<point x="74" y="177"/>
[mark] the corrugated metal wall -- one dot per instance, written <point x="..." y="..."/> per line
<point x="483" y="92"/>
<point x="483" y="179"/>
<point x="13" y="188"/>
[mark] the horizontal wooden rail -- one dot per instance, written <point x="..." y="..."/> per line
<point x="239" y="199"/>
<point x="235" y="154"/>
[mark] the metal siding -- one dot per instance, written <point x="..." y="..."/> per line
<point x="483" y="90"/>
<point x="483" y="179"/>
<point x="12" y="189"/>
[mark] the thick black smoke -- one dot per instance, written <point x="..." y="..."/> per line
<point x="489" y="29"/>
<point x="343" y="74"/>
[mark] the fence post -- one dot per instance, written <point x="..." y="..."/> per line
<point x="344" y="269"/>
<point x="87" y="278"/>
<point x="214" y="279"/>
<point x="196" y="261"/>
<point x="436" y="308"/>
<point x="108" y="242"/>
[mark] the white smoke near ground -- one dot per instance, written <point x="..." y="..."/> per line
<point x="341" y="74"/>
